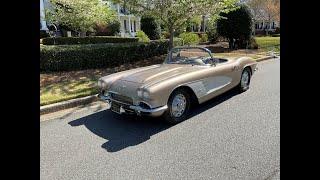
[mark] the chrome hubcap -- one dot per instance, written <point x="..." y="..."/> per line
<point x="178" y="105"/>
<point x="245" y="79"/>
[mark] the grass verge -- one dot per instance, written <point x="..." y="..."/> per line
<point x="268" y="43"/>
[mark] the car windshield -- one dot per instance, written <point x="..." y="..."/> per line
<point x="194" y="56"/>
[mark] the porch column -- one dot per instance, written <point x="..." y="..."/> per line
<point x="138" y="24"/>
<point x="42" y="16"/>
<point x="129" y="22"/>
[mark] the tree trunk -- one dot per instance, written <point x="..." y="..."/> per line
<point x="171" y="38"/>
<point x="230" y="43"/>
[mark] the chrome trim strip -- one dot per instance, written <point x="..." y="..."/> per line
<point x="138" y="108"/>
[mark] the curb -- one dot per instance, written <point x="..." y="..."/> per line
<point x="67" y="104"/>
<point x="89" y="99"/>
<point x="265" y="58"/>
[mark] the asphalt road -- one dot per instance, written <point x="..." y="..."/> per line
<point x="234" y="136"/>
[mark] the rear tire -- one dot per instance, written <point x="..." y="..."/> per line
<point x="178" y="106"/>
<point x="245" y="80"/>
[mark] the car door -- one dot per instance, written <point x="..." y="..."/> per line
<point x="219" y="79"/>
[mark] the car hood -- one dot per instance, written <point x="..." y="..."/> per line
<point x="157" y="73"/>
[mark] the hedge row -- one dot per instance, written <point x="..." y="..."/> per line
<point x="86" y="40"/>
<point x="79" y="57"/>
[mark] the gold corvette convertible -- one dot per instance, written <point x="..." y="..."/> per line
<point x="188" y="76"/>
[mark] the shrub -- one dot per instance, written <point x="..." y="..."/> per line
<point x="237" y="25"/>
<point x="150" y="27"/>
<point x="111" y="29"/>
<point x="177" y="42"/>
<point x="165" y="34"/>
<point x="44" y="34"/>
<point x="79" y="57"/>
<point x="203" y="37"/>
<point x="253" y="44"/>
<point x="142" y="36"/>
<point x="87" y="40"/>
<point x="212" y="32"/>
<point x="189" y="38"/>
<point x="275" y="35"/>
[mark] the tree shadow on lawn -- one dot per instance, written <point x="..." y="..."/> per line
<point x="122" y="131"/>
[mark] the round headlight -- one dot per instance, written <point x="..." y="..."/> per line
<point x="101" y="83"/>
<point x="139" y="93"/>
<point x="146" y="94"/>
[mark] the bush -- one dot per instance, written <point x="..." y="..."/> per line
<point x="165" y="35"/>
<point x="79" y="57"/>
<point x="253" y="44"/>
<point x="203" y="37"/>
<point x="275" y="35"/>
<point x="44" y="34"/>
<point x="177" y="42"/>
<point x="150" y="27"/>
<point x="87" y="40"/>
<point x="111" y="29"/>
<point x="142" y="36"/>
<point x="212" y="33"/>
<point x="237" y="25"/>
<point x="190" y="38"/>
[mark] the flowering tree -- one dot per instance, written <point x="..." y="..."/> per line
<point x="79" y="15"/>
<point x="268" y="10"/>
<point x="174" y="14"/>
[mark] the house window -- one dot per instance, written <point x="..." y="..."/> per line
<point x="135" y="26"/>
<point x="125" y="24"/>
<point x="131" y="23"/>
<point x="273" y="24"/>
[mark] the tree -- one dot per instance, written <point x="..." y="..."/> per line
<point x="110" y="29"/>
<point x="236" y="26"/>
<point x="174" y="14"/>
<point x="150" y="26"/>
<point x="268" y="10"/>
<point x="79" y="15"/>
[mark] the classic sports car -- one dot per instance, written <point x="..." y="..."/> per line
<point x="188" y="76"/>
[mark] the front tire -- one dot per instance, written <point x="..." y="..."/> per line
<point x="245" y="80"/>
<point x="178" y="106"/>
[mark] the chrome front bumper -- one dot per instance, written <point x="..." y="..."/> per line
<point x="127" y="109"/>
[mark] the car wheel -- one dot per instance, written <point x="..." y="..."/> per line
<point x="245" y="80"/>
<point x="178" y="107"/>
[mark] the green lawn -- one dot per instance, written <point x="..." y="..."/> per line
<point x="62" y="86"/>
<point x="67" y="90"/>
<point x="268" y="43"/>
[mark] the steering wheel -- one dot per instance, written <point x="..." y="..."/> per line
<point x="209" y="60"/>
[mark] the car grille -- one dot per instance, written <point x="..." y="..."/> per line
<point x="121" y="98"/>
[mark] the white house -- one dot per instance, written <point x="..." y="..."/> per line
<point x="43" y="23"/>
<point x="261" y="25"/>
<point x="130" y="24"/>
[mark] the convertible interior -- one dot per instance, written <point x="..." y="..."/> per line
<point x="197" y="58"/>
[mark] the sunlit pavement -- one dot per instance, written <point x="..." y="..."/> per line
<point x="235" y="136"/>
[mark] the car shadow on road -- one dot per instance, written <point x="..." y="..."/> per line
<point x="122" y="131"/>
